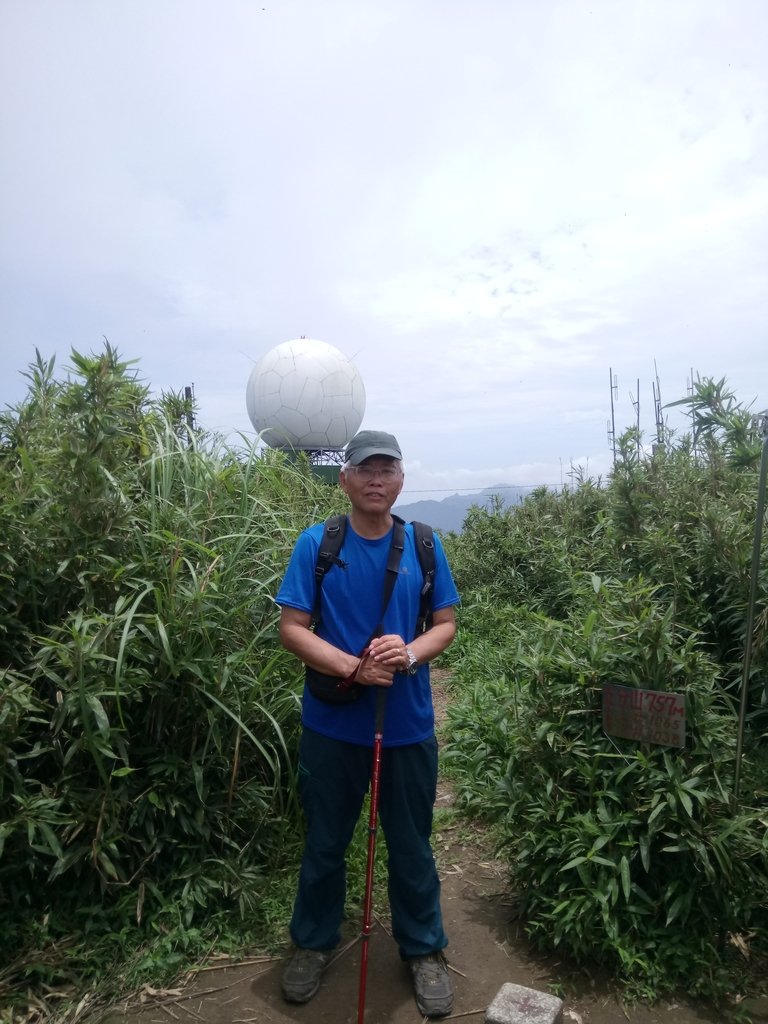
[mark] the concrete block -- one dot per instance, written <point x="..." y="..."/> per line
<point x="515" y="1004"/>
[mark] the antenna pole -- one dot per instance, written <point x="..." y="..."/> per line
<point x="694" y="438"/>
<point x="636" y="405"/>
<point x="614" y="386"/>
<point x="189" y="395"/>
<point x="657" y="408"/>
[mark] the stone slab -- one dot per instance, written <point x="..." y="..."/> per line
<point x="515" y="1004"/>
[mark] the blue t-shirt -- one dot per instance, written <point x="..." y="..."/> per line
<point x="350" y="608"/>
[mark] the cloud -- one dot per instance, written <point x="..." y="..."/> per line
<point x="487" y="207"/>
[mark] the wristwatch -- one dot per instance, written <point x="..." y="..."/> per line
<point x="413" y="662"/>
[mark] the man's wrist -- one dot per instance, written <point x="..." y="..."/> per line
<point x="411" y="661"/>
<point x="351" y="664"/>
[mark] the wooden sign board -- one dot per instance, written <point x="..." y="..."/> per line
<point x="650" y="716"/>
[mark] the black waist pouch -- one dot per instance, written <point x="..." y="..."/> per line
<point x="327" y="688"/>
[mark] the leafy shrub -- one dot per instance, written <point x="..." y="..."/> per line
<point x="530" y="554"/>
<point x="626" y="855"/>
<point x="630" y="856"/>
<point x="148" y="714"/>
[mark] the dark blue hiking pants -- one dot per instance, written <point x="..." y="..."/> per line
<point x="333" y="781"/>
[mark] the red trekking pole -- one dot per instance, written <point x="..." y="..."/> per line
<point x="378" y="736"/>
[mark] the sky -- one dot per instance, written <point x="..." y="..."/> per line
<point x="489" y="207"/>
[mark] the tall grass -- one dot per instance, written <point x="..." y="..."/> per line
<point x="625" y="855"/>
<point x="148" y="715"/>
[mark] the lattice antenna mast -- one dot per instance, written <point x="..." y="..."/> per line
<point x="614" y="386"/>
<point x="690" y="388"/>
<point x="189" y="397"/>
<point x="635" y="400"/>
<point x="657" y="409"/>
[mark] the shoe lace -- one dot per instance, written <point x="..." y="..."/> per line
<point x="432" y="968"/>
<point x="310" y="956"/>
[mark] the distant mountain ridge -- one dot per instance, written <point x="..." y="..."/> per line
<point x="449" y="514"/>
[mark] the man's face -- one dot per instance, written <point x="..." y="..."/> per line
<point x="373" y="485"/>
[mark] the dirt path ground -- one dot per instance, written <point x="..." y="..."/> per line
<point x="485" y="952"/>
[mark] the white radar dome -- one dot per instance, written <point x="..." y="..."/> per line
<point x="305" y="394"/>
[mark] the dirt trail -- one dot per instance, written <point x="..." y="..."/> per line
<point x="485" y="952"/>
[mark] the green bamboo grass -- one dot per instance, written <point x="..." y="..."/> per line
<point x="148" y="715"/>
<point x="626" y="856"/>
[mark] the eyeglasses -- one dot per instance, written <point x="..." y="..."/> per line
<point x="388" y="473"/>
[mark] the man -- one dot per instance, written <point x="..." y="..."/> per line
<point x="336" y="742"/>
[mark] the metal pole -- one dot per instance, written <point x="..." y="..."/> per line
<point x="381" y="705"/>
<point x="751" y="606"/>
<point x="613" y="414"/>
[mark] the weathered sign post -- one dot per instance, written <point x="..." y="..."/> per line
<point x="650" y="716"/>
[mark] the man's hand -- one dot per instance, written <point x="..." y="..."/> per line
<point x="389" y="651"/>
<point x="374" y="673"/>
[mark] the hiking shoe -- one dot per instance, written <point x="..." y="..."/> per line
<point x="432" y="985"/>
<point x="301" y="975"/>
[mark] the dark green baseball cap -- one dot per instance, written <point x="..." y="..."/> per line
<point x="371" y="442"/>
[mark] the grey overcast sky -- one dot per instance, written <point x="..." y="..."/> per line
<point x="486" y="205"/>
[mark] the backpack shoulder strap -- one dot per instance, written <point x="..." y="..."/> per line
<point x="425" y="549"/>
<point x="328" y="556"/>
<point x="396" y="549"/>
